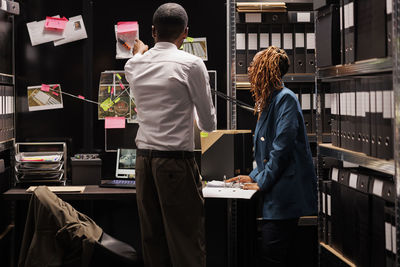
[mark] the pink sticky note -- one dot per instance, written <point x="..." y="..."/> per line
<point x="45" y="88"/>
<point x="122" y="86"/>
<point x="55" y="86"/>
<point x="81" y="97"/>
<point x="55" y="23"/>
<point x="114" y="122"/>
<point x="112" y="89"/>
<point x="127" y="26"/>
<point x="54" y="93"/>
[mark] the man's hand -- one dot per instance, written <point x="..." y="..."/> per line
<point x="139" y="47"/>
<point x="241" y="179"/>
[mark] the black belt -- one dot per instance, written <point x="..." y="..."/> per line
<point x="165" y="154"/>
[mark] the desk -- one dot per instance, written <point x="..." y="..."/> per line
<point x="92" y="192"/>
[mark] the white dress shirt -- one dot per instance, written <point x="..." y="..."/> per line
<point x="170" y="88"/>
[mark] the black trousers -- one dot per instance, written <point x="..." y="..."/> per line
<point x="277" y="240"/>
<point x="171" y="209"/>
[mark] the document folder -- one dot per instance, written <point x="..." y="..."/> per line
<point x="288" y="45"/>
<point x="241" y="46"/>
<point x="310" y="48"/>
<point x="300" y="49"/>
<point x="349" y="30"/>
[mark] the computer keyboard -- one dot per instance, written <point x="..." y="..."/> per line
<point x="120" y="184"/>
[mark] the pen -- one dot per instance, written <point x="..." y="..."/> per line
<point x="124" y="44"/>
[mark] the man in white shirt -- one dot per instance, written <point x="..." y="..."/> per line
<point x="171" y="89"/>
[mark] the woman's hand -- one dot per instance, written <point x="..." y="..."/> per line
<point x="251" y="186"/>
<point x="240" y="179"/>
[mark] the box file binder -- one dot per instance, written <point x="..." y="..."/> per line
<point x="241" y="46"/>
<point x="306" y="105"/>
<point x="373" y="85"/>
<point x="327" y="103"/>
<point x="335" y="114"/>
<point x="371" y="37"/>
<point x="328" y="36"/>
<point x="300" y="49"/>
<point x="339" y="177"/>
<point x="276" y="35"/>
<point x="310" y="48"/>
<point x="386" y="143"/>
<point x="275" y="17"/>
<point x="288" y="44"/>
<point x="325" y="211"/>
<point x="356" y="219"/>
<point x="349" y="9"/>
<point x="252" y="43"/>
<point x="343" y="114"/>
<point x="359" y="104"/>
<point x="301" y="16"/>
<point x="390" y="236"/>
<point x="313" y="111"/>
<point x="382" y="194"/>
<point x="389" y="27"/>
<point x="342" y="32"/>
<point x="365" y="119"/>
<point x="380" y="131"/>
<point x="351" y="109"/>
<point x="264" y="36"/>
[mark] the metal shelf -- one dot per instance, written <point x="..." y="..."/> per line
<point x="326" y="138"/>
<point x="337" y="254"/>
<point x="242" y="80"/>
<point x="381" y="165"/>
<point x="6" y="79"/>
<point x="7" y="144"/>
<point x="370" y="66"/>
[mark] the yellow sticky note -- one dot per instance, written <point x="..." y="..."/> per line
<point x="116" y="100"/>
<point x="189" y="39"/>
<point x="203" y="134"/>
<point x="109" y="89"/>
<point x="119" y="76"/>
<point x="108" y="103"/>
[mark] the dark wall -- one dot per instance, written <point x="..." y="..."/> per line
<point x="77" y="65"/>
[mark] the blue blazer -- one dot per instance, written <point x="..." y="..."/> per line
<point x="285" y="170"/>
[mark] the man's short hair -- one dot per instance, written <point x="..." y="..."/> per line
<point x="170" y="20"/>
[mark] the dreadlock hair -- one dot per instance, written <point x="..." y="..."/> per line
<point x="265" y="75"/>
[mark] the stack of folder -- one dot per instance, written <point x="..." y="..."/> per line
<point x="261" y="7"/>
<point x="6" y="112"/>
<point x="362" y="112"/>
<point x="357" y="211"/>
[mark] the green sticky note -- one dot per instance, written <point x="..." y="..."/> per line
<point x="116" y="100"/>
<point x="109" y="89"/>
<point x="108" y="103"/>
<point x="203" y="134"/>
<point x="118" y="76"/>
<point x="189" y="39"/>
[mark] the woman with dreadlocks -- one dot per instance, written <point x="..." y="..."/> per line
<point x="285" y="171"/>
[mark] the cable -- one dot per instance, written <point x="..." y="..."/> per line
<point x="233" y="100"/>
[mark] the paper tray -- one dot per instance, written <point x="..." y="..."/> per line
<point x="40" y="177"/>
<point x="38" y="157"/>
<point x="27" y="167"/>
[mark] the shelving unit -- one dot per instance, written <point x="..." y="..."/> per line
<point x="370" y="67"/>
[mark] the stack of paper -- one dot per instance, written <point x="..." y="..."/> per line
<point x="220" y="189"/>
<point x="261" y="7"/>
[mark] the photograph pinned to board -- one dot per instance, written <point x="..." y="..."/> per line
<point x="196" y="46"/>
<point x="74" y="30"/>
<point x="126" y="32"/>
<point x="41" y="97"/>
<point x="40" y="35"/>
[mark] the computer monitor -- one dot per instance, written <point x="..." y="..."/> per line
<point x="126" y="163"/>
